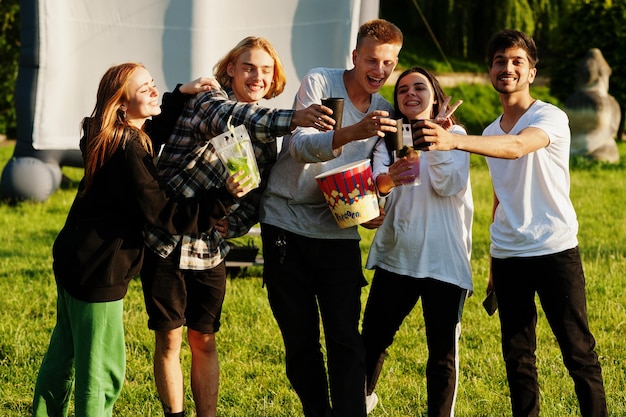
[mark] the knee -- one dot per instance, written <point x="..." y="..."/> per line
<point x="168" y="343"/>
<point x="377" y="341"/>
<point x="201" y="342"/>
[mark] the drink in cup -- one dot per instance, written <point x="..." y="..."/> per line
<point x="413" y="157"/>
<point x="336" y="105"/>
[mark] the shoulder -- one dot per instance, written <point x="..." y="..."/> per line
<point x="548" y="110"/>
<point x="211" y="95"/>
<point x="230" y="93"/>
<point x="552" y="120"/>
<point x="323" y="71"/>
<point x="493" y="128"/>
<point x="328" y="75"/>
<point x="199" y="108"/>
<point x="132" y="138"/>
<point x="133" y="146"/>
<point x="320" y="82"/>
<point x="379" y="102"/>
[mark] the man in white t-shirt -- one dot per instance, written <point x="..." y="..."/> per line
<point x="534" y="245"/>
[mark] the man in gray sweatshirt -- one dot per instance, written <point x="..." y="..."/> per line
<point x="313" y="267"/>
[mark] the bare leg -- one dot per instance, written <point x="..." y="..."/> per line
<point x="168" y="374"/>
<point x="205" y="372"/>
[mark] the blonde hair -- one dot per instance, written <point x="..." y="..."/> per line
<point x="248" y="43"/>
<point x="381" y="31"/>
<point x="107" y="128"/>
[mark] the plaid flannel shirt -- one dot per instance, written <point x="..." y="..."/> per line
<point x="188" y="163"/>
<point x="246" y="214"/>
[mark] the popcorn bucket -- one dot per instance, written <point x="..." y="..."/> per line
<point x="350" y="193"/>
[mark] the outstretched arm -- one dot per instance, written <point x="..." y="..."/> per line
<point x="497" y="146"/>
<point x="160" y="127"/>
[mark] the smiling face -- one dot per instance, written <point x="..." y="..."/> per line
<point x="415" y="96"/>
<point x="511" y="71"/>
<point x="252" y="75"/>
<point x="143" y="98"/>
<point x="373" y="63"/>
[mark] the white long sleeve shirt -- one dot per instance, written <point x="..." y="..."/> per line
<point x="427" y="232"/>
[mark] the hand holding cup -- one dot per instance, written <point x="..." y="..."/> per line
<point x="442" y="119"/>
<point x="336" y="105"/>
<point x="393" y="141"/>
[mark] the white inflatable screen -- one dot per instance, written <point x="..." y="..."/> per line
<point x="177" y="40"/>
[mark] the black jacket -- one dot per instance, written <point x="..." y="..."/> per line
<point x="100" y="248"/>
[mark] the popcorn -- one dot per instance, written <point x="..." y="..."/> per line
<point x="350" y="193"/>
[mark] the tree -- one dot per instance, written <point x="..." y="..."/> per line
<point x="9" y="51"/>
<point x="461" y="29"/>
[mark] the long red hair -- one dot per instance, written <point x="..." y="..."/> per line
<point x="107" y="128"/>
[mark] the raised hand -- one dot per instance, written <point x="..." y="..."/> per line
<point x="315" y="115"/>
<point x="199" y="85"/>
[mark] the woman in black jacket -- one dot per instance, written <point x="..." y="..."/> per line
<point x="100" y="248"/>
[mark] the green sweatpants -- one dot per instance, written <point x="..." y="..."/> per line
<point x="87" y="353"/>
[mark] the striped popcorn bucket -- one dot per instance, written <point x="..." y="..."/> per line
<point x="350" y="193"/>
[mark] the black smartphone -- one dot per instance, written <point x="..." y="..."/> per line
<point x="490" y="303"/>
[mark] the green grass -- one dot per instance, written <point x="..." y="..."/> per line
<point x="253" y="381"/>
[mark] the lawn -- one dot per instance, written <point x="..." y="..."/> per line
<point x="253" y="383"/>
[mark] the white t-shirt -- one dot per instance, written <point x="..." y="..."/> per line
<point x="535" y="215"/>
<point x="427" y="232"/>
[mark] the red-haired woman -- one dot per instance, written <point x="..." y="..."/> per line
<point x="100" y="248"/>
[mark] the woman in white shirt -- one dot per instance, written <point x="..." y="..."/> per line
<point x="422" y="249"/>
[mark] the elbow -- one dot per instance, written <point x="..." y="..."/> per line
<point x="296" y="155"/>
<point x="295" y="151"/>
<point x="450" y="186"/>
<point x="305" y="155"/>
<point x="384" y="184"/>
<point x="514" y="154"/>
<point x="446" y="190"/>
<point x="517" y="150"/>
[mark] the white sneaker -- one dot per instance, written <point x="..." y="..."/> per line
<point x="370" y="402"/>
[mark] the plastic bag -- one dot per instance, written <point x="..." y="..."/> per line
<point x="234" y="148"/>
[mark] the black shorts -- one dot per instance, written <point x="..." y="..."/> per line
<point x="176" y="297"/>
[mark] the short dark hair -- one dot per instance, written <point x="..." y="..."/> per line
<point x="509" y="38"/>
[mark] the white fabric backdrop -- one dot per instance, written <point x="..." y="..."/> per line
<point x="177" y="40"/>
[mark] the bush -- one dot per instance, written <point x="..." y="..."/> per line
<point x="481" y="105"/>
